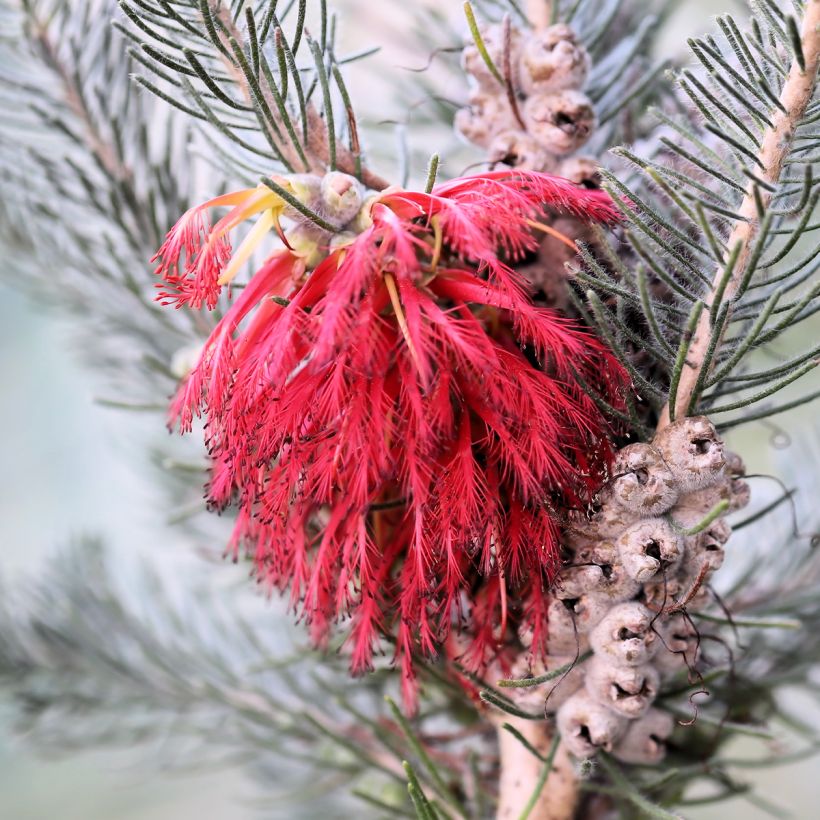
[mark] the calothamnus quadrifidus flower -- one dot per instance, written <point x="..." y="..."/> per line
<point x="397" y="423"/>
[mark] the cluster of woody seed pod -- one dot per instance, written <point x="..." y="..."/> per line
<point x="535" y="118"/>
<point x="536" y="115"/>
<point x="634" y="571"/>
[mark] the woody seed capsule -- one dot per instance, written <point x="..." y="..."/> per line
<point x="473" y="63"/>
<point x="485" y="116"/>
<point x="643" y="483"/>
<point x="626" y="690"/>
<point x="586" y="726"/>
<point x="561" y="122"/>
<point x="552" y="60"/>
<point x="625" y="635"/>
<point x="648" y="547"/>
<point x="693" y="451"/>
<point x="520" y="150"/>
<point x="644" y="741"/>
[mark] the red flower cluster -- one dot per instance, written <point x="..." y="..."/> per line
<point x="399" y="425"/>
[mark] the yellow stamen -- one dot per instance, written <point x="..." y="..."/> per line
<point x="437" y="243"/>
<point x="552" y="232"/>
<point x="231" y="199"/>
<point x="249" y="244"/>
<point x="400" y="317"/>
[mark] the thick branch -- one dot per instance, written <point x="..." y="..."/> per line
<point x="521" y="771"/>
<point x="774" y="149"/>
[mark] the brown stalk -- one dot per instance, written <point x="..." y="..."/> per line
<point x="774" y="149"/>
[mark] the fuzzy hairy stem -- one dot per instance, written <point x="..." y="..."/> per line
<point x="521" y="772"/>
<point x="774" y="149"/>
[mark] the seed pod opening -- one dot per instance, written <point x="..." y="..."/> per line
<point x="648" y="548"/>
<point x="679" y="645"/>
<point x="570" y="619"/>
<point x="608" y="579"/>
<point x="561" y="122"/>
<point x="586" y="726"/>
<point x="693" y="451"/>
<point x="644" y="741"/>
<point x="642" y="482"/>
<point x="520" y="150"/>
<point x="626" y="690"/>
<point x="707" y="547"/>
<point x="583" y="171"/>
<point x="625" y="635"/>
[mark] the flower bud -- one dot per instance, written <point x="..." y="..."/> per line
<point x="341" y="197"/>
<point x="364" y="218"/>
<point x="626" y="690"/>
<point x="644" y="741"/>
<point x="642" y="482"/>
<point x="561" y="122"/>
<point x="625" y="635"/>
<point x="693" y="451"/>
<point x="341" y="240"/>
<point x="307" y="188"/>
<point x="310" y="242"/>
<point x="649" y="547"/>
<point x="586" y="726"/>
<point x="552" y="60"/>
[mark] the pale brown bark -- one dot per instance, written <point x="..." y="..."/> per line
<point x="539" y="13"/>
<point x="521" y="770"/>
<point x="774" y="148"/>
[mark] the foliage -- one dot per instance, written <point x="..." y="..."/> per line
<point x="716" y="269"/>
<point x="719" y="263"/>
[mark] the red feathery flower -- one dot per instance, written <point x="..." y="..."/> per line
<point x="400" y="425"/>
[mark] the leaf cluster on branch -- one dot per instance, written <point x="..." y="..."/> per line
<point x="708" y="294"/>
<point x="718" y="260"/>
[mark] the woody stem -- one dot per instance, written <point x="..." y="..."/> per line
<point x="522" y="774"/>
<point x="539" y="13"/>
<point x="774" y="149"/>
